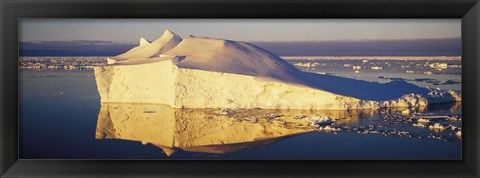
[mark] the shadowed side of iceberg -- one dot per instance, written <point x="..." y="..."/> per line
<point x="361" y="89"/>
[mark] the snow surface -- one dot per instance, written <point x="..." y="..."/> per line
<point x="228" y="56"/>
<point x="199" y="72"/>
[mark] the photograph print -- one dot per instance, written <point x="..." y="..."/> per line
<point x="240" y="89"/>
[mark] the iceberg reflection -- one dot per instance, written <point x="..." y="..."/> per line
<point x="205" y="130"/>
<point x="224" y="130"/>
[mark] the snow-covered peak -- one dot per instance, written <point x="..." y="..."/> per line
<point x="168" y="33"/>
<point x="168" y="40"/>
<point x="144" y="41"/>
<point x="147" y="50"/>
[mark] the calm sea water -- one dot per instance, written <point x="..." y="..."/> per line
<point x="418" y="72"/>
<point x="61" y="118"/>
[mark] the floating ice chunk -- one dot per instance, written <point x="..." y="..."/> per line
<point x="406" y="112"/>
<point x="459" y="134"/>
<point x="308" y="64"/>
<point x="452" y="127"/>
<point x="440" y="96"/>
<point x="419" y="125"/>
<point x="329" y="129"/>
<point x="436" y="126"/>
<point x="439" y="66"/>
<point x="453" y="118"/>
<point x="421" y="120"/>
<point x="407" y="101"/>
<point x="318" y="120"/>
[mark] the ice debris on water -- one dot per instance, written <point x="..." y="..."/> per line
<point x="406" y="112"/>
<point x="318" y="120"/>
<point x="421" y="120"/>
<point x="436" y="126"/>
<point x="419" y="125"/>
<point x="388" y="123"/>
<point x="459" y="133"/>
<point x="452" y="127"/>
<point x="437" y="95"/>
<point x="329" y="129"/>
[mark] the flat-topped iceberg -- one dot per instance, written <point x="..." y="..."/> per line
<point x="199" y="72"/>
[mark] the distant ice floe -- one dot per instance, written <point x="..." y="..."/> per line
<point x="436" y="126"/>
<point x="421" y="120"/>
<point x="421" y="125"/>
<point x="439" y="66"/>
<point x="60" y="62"/>
<point x="307" y="64"/>
<point x="356" y="67"/>
<point x="439" y="96"/>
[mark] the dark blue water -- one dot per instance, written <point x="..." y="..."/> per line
<point x="59" y="112"/>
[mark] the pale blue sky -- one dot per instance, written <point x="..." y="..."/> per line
<point x="130" y="30"/>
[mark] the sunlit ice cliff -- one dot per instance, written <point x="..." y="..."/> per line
<point x="200" y="72"/>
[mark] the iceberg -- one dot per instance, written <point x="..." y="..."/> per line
<point x="202" y="72"/>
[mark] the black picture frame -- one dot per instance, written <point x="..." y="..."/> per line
<point x="11" y="11"/>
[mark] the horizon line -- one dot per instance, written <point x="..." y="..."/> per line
<point x="340" y="40"/>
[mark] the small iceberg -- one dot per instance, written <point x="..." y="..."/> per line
<point x="421" y="120"/>
<point x="318" y="120"/>
<point x="436" y="126"/>
<point x="419" y="125"/>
